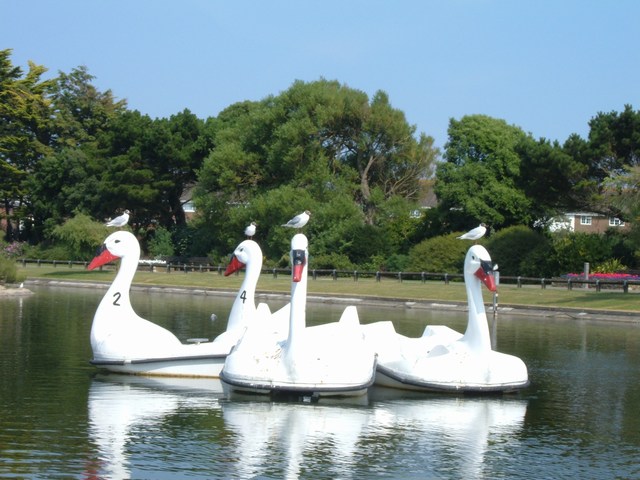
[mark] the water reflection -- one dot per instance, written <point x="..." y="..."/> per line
<point x="454" y="433"/>
<point x="123" y="407"/>
<point x="298" y="434"/>
<point x="387" y="431"/>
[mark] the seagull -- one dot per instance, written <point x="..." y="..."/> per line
<point x="474" y="234"/>
<point x="120" y="221"/>
<point x="298" y="221"/>
<point x="250" y="231"/>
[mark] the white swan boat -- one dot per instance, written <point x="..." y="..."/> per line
<point x="123" y="342"/>
<point x="446" y="360"/>
<point x="325" y="360"/>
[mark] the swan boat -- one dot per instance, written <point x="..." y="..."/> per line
<point x="124" y="342"/>
<point x="325" y="360"/>
<point x="444" y="359"/>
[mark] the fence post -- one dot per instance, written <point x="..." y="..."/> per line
<point x="400" y="276"/>
<point x="334" y="274"/>
<point x="446" y="279"/>
<point x="423" y="277"/>
<point x="355" y="275"/>
<point x="519" y="281"/>
<point x="314" y="274"/>
<point x="378" y="276"/>
<point x="597" y="285"/>
<point x="569" y="284"/>
<point x="542" y="283"/>
<point x="586" y="274"/>
<point x="275" y="273"/>
<point x="625" y="286"/>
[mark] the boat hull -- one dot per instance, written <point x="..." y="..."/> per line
<point x="273" y="387"/>
<point x="387" y="377"/>
<point x="205" y="366"/>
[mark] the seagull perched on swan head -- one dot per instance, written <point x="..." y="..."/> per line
<point x="120" y="221"/>
<point x="298" y="221"/>
<point x="474" y="234"/>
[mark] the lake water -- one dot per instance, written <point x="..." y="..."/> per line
<point x="61" y="418"/>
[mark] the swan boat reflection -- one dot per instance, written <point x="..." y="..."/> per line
<point x="287" y="439"/>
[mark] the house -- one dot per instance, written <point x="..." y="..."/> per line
<point x="427" y="198"/>
<point x="188" y="205"/>
<point x="586" y="222"/>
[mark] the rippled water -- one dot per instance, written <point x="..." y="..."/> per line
<point x="60" y="418"/>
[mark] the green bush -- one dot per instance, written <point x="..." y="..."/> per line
<point x="330" y="261"/>
<point x="8" y="270"/>
<point x="397" y="263"/>
<point x="443" y="254"/>
<point x="520" y="250"/>
<point x="572" y="250"/>
<point x="80" y="236"/>
<point x="160" y="243"/>
<point x="49" y="252"/>
<point x="613" y="265"/>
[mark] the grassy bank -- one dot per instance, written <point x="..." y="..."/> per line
<point x="414" y="290"/>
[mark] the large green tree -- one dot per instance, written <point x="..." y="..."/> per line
<point x="614" y="142"/>
<point x="149" y="164"/>
<point x="622" y="193"/>
<point x="552" y="178"/>
<point x="478" y="181"/>
<point x="612" y="151"/>
<point x="324" y="146"/>
<point x="67" y="179"/>
<point x="496" y="174"/>
<point x="25" y="133"/>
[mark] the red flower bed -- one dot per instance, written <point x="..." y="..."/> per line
<point x="604" y="276"/>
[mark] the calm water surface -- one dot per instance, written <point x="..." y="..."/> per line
<point x="60" y="418"/>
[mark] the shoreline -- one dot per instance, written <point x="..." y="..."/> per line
<point x="506" y="309"/>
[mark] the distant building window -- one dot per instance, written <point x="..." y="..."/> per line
<point x="584" y="220"/>
<point x="188" y="207"/>
<point x="615" y="222"/>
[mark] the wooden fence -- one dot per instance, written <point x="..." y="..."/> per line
<point x="355" y="275"/>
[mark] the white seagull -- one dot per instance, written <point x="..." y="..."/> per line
<point x="120" y="221"/>
<point x="250" y="231"/>
<point x="298" y="221"/>
<point x="475" y="234"/>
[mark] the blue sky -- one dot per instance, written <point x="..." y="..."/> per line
<point x="547" y="66"/>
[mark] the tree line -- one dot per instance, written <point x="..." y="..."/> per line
<point x="71" y="155"/>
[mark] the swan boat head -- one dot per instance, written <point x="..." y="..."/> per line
<point x="478" y="271"/>
<point x="299" y="259"/>
<point x="478" y="264"/>
<point x="119" y="244"/>
<point x="247" y="255"/>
